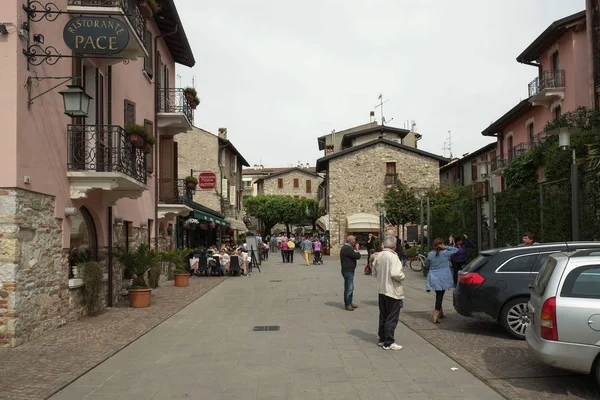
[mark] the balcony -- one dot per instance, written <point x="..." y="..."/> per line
<point x="102" y="157"/>
<point x="547" y="88"/>
<point x="175" y="113"/>
<point x="125" y="11"/>
<point x="174" y="198"/>
<point x="517" y="151"/>
<point x="390" y="179"/>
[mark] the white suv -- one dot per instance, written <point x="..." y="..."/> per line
<point x="565" y="312"/>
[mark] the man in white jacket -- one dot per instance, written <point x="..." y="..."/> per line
<point x="388" y="268"/>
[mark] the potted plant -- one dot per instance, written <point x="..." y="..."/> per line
<point x="191" y="223"/>
<point x="78" y="256"/>
<point x="149" y="142"/>
<point x="137" y="134"/>
<point x="93" y="278"/>
<point x="148" y="7"/>
<point x="178" y="257"/>
<point x="139" y="262"/>
<point x="191" y="95"/>
<point x="191" y="182"/>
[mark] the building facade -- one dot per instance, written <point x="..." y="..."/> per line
<point x="357" y="178"/>
<point x="80" y="181"/>
<point x="292" y="182"/>
<point x="251" y="175"/>
<point x="202" y="152"/>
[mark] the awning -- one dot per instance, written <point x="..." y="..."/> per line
<point x="323" y="223"/>
<point x="363" y="222"/>
<point x="202" y="216"/>
<point x="236" y="224"/>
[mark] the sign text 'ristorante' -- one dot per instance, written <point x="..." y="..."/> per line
<point x="96" y="35"/>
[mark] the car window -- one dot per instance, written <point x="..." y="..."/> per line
<point x="520" y="263"/>
<point x="583" y="282"/>
<point x="541" y="282"/>
<point x="477" y="263"/>
<point x="540" y="261"/>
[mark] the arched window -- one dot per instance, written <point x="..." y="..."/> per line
<point x="84" y="240"/>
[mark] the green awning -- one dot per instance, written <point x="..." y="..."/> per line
<point x="202" y="216"/>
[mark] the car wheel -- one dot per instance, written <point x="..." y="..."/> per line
<point x="514" y="317"/>
<point x="597" y="371"/>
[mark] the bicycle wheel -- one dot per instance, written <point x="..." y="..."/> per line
<point x="416" y="265"/>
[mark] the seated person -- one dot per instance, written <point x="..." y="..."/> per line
<point x="225" y="260"/>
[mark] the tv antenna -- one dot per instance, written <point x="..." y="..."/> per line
<point x="380" y="105"/>
<point x="179" y="77"/>
<point x="448" y="144"/>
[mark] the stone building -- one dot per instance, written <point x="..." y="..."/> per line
<point x="357" y="178"/>
<point x="201" y="152"/>
<point x="292" y="182"/>
<point x="77" y="179"/>
<point x="251" y="175"/>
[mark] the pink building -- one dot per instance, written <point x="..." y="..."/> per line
<point x="81" y="182"/>
<point x="560" y="55"/>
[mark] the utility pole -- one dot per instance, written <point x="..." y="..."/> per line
<point x="380" y="105"/>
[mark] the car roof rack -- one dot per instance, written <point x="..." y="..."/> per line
<point x="584" y="253"/>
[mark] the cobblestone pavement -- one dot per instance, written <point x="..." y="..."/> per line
<point x="210" y="350"/>
<point x="485" y="350"/>
<point x="44" y="365"/>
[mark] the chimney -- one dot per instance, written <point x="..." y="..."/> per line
<point x="372" y="116"/>
<point x="223" y="133"/>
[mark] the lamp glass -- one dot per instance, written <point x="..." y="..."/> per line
<point x="564" y="138"/>
<point x="483" y="169"/>
<point x="76" y="101"/>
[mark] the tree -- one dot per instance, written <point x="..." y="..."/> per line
<point x="263" y="207"/>
<point x="401" y="205"/>
<point x="311" y="212"/>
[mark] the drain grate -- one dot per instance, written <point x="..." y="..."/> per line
<point x="267" y="328"/>
<point x="276" y="280"/>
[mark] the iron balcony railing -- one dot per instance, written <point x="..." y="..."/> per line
<point x="517" y="151"/>
<point x="174" y="101"/>
<point x="174" y="191"/>
<point x="104" y="148"/>
<point x="129" y="7"/>
<point x="547" y="80"/>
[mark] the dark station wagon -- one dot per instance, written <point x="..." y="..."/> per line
<point x="496" y="285"/>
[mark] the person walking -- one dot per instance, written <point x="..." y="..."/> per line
<point x="439" y="278"/>
<point x="317" y="251"/>
<point x="349" y="254"/>
<point x="291" y="244"/>
<point x="307" y="247"/>
<point x="285" y="256"/>
<point x="459" y="260"/>
<point x="370" y="246"/>
<point x="388" y="270"/>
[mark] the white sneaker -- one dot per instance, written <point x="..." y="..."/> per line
<point x="393" y="346"/>
<point x="380" y="344"/>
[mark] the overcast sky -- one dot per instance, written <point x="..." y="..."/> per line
<point x="278" y="74"/>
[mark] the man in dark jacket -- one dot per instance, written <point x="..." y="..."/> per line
<point x="348" y="256"/>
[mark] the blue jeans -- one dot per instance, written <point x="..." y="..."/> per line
<point x="348" y="287"/>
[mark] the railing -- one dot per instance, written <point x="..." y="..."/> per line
<point x="129" y="7"/>
<point x="174" y="101"/>
<point x="390" y="179"/>
<point x="547" y="80"/>
<point x="498" y="163"/>
<point x="104" y="148"/>
<point x="517" y="151"/>
<point x="174" y="191"/>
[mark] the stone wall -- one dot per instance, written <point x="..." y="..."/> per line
<point x="34" y="289"/>
<point x="199" y="150"/>
<point x="270" y="185"/>
<point x="356" y="182"/>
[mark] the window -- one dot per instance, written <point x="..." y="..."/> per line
<point x="129" y="113"/>
<point x="583" y="283"/>
<point x="248" y="183"/>
<point x="519" y="264"/>
<point x="296" y="182"/>
<point x="296" y="197"/>
<point x="390" y="168"/>
<point x="540" y="261"/>
<point x="280" y="183"/>
<point x="474" y="170"/>
<point x="546" y="271"/>
<point x="494" y="164"/>
<point x="308" y="186"/>
<point x="148" y="60"/>
<point x="149" y="128"/>
<point x="530" y="131"/>
<point x="557" y="112"/>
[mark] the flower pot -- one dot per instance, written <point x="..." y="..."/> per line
<point x="189" y="97"/>
<point x="136" y="140"/>
<point x="191" y="185"/>
<point x="182" y="280"/>
<point x="139" y="298"/>
<point x="145" y="9"/>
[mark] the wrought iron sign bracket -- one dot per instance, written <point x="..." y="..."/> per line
<point x="30" y="79"/>
<point x="37" y="55"/>
<point x="50" y="11"/>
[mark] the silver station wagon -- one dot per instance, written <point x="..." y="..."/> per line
<point x="565" y="312"/>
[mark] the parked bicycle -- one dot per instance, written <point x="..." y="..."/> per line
<point x="418" y="263"/>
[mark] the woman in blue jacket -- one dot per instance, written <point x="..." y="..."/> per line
<point x="439" y="277"/>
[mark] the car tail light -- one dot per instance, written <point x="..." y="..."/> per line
<point x="548" y="320"/>
<point x="471" y="278"/>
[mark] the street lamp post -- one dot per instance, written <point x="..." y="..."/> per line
<point x="420" y="194"/>
<point x="564" y="142"/>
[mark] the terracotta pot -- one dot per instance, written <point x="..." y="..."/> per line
<point x="139" y="298"/>
<point x="191" y="185"/>
<point x="182" y="280"/>
<point x="189" y="98"/>
<point x="136" y="140"/>
<point x="145" y="9"/>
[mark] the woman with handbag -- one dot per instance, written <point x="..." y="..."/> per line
<point x="439" y="278"/>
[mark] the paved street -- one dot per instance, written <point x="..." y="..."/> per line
<point x="485" y="350"/>
<point x="210" y="351"/>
